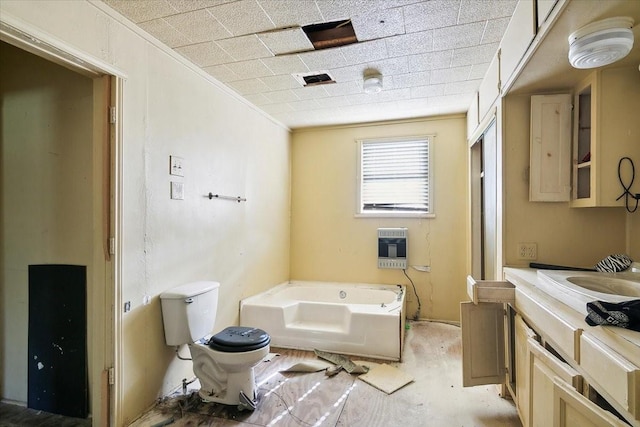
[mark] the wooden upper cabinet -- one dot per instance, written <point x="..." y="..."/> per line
<point x="517" y="38"/>
<point x="550" y="148"/>
<point x="605" y="130"/>
<point x="489" y="89"/>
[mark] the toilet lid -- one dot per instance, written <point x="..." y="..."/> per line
<point x="236" y="339"/>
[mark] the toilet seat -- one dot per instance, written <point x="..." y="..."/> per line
<point x="239" y="339"/>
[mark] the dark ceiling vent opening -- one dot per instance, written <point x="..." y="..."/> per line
<point x="317" y="79"/>
<point x="330" y="34"/>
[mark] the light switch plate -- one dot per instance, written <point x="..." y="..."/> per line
<point x="176" y="166"/>
<point x="177" y="190"/>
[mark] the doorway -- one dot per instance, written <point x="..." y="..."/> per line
<point x="54" y="172"/>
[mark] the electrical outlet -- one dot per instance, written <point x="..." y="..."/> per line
<point x="527" y="251"/>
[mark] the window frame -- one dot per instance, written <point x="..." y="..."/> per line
<point x="360" y="213"/>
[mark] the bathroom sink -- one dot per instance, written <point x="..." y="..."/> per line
<point x="576" y="289"/>
<point x="607" y="285"/>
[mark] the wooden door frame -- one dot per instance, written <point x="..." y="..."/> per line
<point x="106" y="389"/>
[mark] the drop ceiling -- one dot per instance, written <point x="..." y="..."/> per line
<point x="432" y="54"/>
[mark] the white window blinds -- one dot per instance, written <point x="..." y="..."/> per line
<point x="395" y="176"/>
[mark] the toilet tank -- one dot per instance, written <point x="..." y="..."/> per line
<point x="189" y="311"/>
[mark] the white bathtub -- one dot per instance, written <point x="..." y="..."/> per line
<point x="347" y="318"/>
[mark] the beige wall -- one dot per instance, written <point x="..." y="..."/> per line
<point x="46" y="183"/>
<point x="564" y="235"/>
<point x="170" y="108"/>
<point x="329" y="244"/>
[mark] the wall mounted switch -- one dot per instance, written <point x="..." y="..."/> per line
<point x="176" y="166"/>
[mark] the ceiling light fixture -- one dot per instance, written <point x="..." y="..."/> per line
<point x="373" y="83"/>
<point x="601" y="43"/>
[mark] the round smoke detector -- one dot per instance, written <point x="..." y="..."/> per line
<point x="601" y="43"/>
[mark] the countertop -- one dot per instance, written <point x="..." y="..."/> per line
<point x="624" y="341"/>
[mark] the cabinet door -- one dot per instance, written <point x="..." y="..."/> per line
<point x="550" y="148"/>
<point x="482" y="343"/>
<point x="571" y="409"/>
<point x="543" y="368"/>
<point x="522" y="335"/>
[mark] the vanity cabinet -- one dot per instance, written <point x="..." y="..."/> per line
<point x="605" y="129"/>
<point x="553" y="369"/>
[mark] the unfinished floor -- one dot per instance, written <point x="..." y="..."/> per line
<point x="432" y="356"/>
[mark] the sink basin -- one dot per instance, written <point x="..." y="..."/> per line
<point x="607" y="285"/>
<point x="575" y="289"/>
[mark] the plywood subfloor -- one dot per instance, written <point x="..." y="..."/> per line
<point x="432" y="356"/>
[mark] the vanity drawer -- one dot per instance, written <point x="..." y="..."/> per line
<point x="564" y="336"/>
<point x="490" y="291"/>
<point x="616" y="375"/>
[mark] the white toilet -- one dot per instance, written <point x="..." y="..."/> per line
<point x="223" y="363"/>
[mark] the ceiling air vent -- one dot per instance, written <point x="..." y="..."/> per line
<point x="314" y="78"/>
<point x="330" y="34"/>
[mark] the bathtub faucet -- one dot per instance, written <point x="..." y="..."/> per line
<point x="400" y="291"/>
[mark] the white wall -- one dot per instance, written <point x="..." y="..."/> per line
<point x="228" y="147"/>
<point x="329" y="243"/>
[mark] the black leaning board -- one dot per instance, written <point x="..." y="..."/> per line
<point x="57" y="372"/>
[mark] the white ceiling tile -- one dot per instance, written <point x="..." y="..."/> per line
<point x="199" y="26"/>
<point x="410" y="44"/>
<point x="334" y="10"/>
<point x="289" y="40"/>
<point x="345" y="88"/>
<point x="242" y="17"/>
<point x="189" y="5"/>
<point x="384" y="96"/>
<point x="277" y="108"/>
<point x="347" y="74"/>
<point x="285" y="64"/>
<point x="457" y="88"/>
<point x="427" y="91"/>
<point x="204" y="54"/>
<point x="312" y="92"/>
<point x="164" y="32"/>
<point x="474" y="10"/>
<point x="365" y="52"/>
<point x="458" y="36"/>
<point x="245" y="47"/>
<point x="378" y="24"/>
<point x="478" y="71"/>
<point x="323" y="59"/>
<point x="495" y="30"/>
<point x="474" y="55"/>
<point x="447" y="75"/>
<point x="305" y="105"/>
<point x="142" y="10"/>
<point x="431" y="14"/>
<point x="430" y="61"/>
<point x="390" y="66"/>
<point x="249" y="69"/>
<point x="281" y="82"/>
<point x="222" y="73"/>
<point x="333" y="102"/>
<point x="281" y="96"/>
<point x="283" y="14"/>
<point x="412" y="79"/>
<point x="251" y="86"/>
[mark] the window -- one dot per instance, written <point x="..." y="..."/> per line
<point x="395" y="177"/>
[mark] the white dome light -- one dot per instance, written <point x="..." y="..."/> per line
<point x="601" y="43"/>
<point x="373" y="83"/>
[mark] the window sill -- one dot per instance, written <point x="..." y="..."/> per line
<point x="395" y="215"/>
